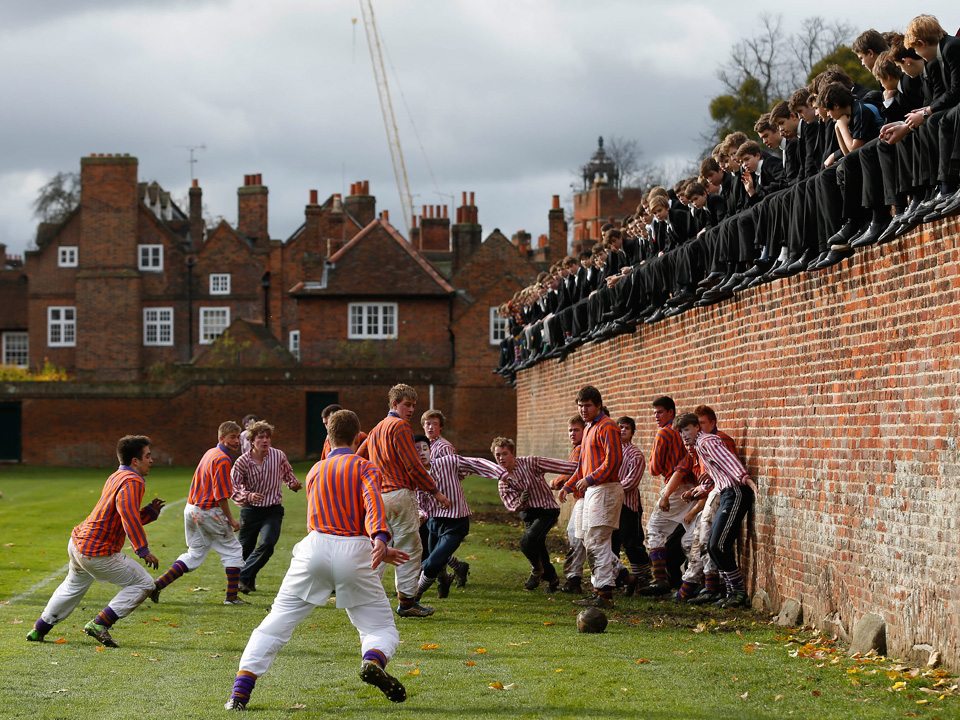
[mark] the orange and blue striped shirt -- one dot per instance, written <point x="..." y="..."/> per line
<point x="390" y="447"/>
<point x="343" y="497"/>
<point x="211" y="481"/>
<point x="601" y="453"/>
<point x="560" y="480"/>
<point x="116" y="517"/>
<point x="669" y="454"/>
<point x="326" y="444"/>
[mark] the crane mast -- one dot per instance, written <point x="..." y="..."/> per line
<point x="386" y="107"/>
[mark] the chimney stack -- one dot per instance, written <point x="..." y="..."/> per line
<point x="360" y="203"/>
<point x="252" y="215"/>
<point x="196" y="215"/>
<point x="557" y="231"/>
<point x="434" y="235"/>
<point x="466" y="234"/>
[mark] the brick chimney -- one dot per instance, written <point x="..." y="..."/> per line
<point x="197" y="226"/>
<point x="252" y="204"/>
<point x="465" y="234"/>
<point x="434" y="229"/>
<point x="332" y="224"/>
<point x="557" y="231"/>
<point x="414" y="232"/>
<point x="360" y="203"/>
<point x="108" y="203"/>
<point x="521" y="240"/>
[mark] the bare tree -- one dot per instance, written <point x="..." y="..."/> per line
<point x="815" y="40"/>
<point x="761" y="58"/>
<point x="58" y="198"/>
<point x="625" y="153"/>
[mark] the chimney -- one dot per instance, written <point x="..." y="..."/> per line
<point x="434" y="231"/>
<point x="360" y="203"/>
<point x="465" y="235"/>
<point x="312" y="237"/>
<point x="197" y="226"/>
<point x="108" y="202"/>
<point x="252" y="204"/>
<point x="414" y="233"/>
<point x="557" y="231"/>
<point x="332" y="224"/>
<point x="542" y="241"/>
<point x="521" y="240"/>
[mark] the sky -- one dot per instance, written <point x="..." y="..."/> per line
<point x="503" y="98"/>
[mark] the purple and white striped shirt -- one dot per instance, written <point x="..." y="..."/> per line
<point x="724" y="467"/>
<point x="265" y="478"/>
<point x="631" y="471"/>
<point x="528" y="474"/>
<point x="441" y="447"/>
<point x="448" y="472"/>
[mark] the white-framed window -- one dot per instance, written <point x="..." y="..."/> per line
<point x="219" y="283"/>
<point x="61" y="326"/>
<point x="372" y="321"/>
<point x="67" y="256"/>
<point x="158" y="326"/>
<point x="498" y="326"/>
<point x="16" y="349"/>
<point x="213" y="321"/>
<point x="150" y="258"/>
<point x="295" y="344"/>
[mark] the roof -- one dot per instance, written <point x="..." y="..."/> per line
<point x="379" y="261"/>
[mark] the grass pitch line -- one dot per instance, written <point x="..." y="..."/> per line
<point x="57" y="573"/>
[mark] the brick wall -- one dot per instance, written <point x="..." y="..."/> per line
<point x="840" y="389"/>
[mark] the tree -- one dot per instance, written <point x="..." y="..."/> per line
<point x="58" y="198"/>
<point x="847" y="59"/>
<point x="625" y="153"/>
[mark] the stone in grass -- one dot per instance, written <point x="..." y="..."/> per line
<point x="870" y="633"/>
<point x="790" y="613"/>
<point x="833" y="625"/>
<point x="761" y="601"/>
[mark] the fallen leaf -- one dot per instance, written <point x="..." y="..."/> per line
<point x="298" y="706"/>
<point x="749" y="648"/>
<point x="134" y="654"/>
<point x="744" y="696"/>
<point x="548" y="623"/>
<point x="16" y="621"/>
<point x="215" y="655"/>
<point x="205" y="632"/>
<point x="481" y="651"/>
<point x="61" y="690"/>
<point x="778" y="697"/>
<point x="559" y="669"/>
<point x="641" y="661"/>
<point x="8" y="544"/>
<point x="922" y="702"/>
<point x="485" y="611"/>
<point x="99" y="648"/>
<point x="199" y="589"/>
<point x="513" y="686"/>
<point x="470" y="663"/>
<point x="415" y="671"/>
<point x="429" y="646"/>
<point x="174" y="624"/>
<point x="816" y="693"/>
<point x="60" y="641"/>
<point x="496" y="685"/>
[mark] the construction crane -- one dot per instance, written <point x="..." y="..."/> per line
<point x="386" y="107"/>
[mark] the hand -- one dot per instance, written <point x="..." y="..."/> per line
<point x="563" y="496"/>
<point x="626" y="270"/>
<point x="151" y="560"/>
<point x="380" y="553"/>
<point x="701" y="232"/>
<point x="894" y="133"/>
<point x="687" y="495"/>
<point x="524" y="497"/>
<point x="296" y="485"/>
<point x="254" y="497"/>
<point x="748" y="184"/>
<point x="582" y="485"/>
<point x="914" y="119"/>
<point x="752" y="485"/>
<point x="234" y="524"/>
<point x="829" y="161"/>
<point x="664" y="503"/>
<point x="689" y="517"/>
<point x="157" y="504"/>
<point x="442" y="500"/>
<point x="423" y="519"/>
<point x="592" y="293"/>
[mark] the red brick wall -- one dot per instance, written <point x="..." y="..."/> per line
<point x="840" y="388"/>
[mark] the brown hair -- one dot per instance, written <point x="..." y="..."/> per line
<point x="750" y="147"/>
<point x="780" y="110"/>
<point x="800" y="99"/>
<point x="763" y="123"/>
<point x="686" y="420"/>
<point x="923" y="28"/>
<point x="226" y="428"/>
<point x="343" y="428"/>
<point x="130" y="448"/>
<point x="260" y="426"/>
<point x="433" y="414"/>
<point x="503" y="442"/>
<point x="870" y="40"/>
<point x="708" y="165"/>
<point x="576" y="420"/>
<point x="694" y="189"/>
<point x="401" y="392"/>
<point x="899" y="50"/>
<point x="706" y="411"/>
<point x="886" y="68"/>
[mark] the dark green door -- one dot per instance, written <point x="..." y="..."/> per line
<point x="10" y="431"/>
<point x="316" y="431"/>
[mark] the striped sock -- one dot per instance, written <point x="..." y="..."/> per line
<point x="42" y="627"/>
<point x="233" y="578"/>
<point x="606" y="592"/>
<point x="686" y="590"/>
<point x="658" y="561"/>
<point x="734" y="582"/>
<point x="453" y="563"/>
<point x="376" y="656"/>
<point x="405" y="602"/>
<point x="243" y="686"/>
<point x="712" y="582"/>
<point x="106" y="617"/>
<point x="424" y="583"/>
<point x="175" y="571"/>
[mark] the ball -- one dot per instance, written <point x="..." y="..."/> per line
<point x="591" y="620"/>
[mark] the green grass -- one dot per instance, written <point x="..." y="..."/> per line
<point x="177" y="659"/>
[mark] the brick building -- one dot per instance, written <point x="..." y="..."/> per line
<point x="136" y="293"/>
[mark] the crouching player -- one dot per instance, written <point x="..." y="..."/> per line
<point x="447" y="527"/>
<point x="737" y="492"/>
<point x="347" y="542"/>
<point x="95" y="545"/>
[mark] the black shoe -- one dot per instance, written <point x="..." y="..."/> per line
<point x="833" y="257"/>
<point x="948" y="208"/>
<point x="609" y="316"/>
<point x="703" y="597"/>
<point x="372" y="674"/>
<point x="244" y="588"/>
<point x="845" y="234"/>
<point x="712" y="298"/>
<point x="655" y="588"/>
<point x="682" y="297"/>
<point x="712" y="279"/>
<point x="871" y="235"/>
<point x="656" y="317"/>
<point x="744" y="284"/>
<point x="679" y="310"/>
<point x="533" y="582"/>
<point x="572" y="586"/>
<point x="760" y="267"/>
<point x="460" y="574"/>
<point x="812" y="265"/>
<point x="730" y="283"/>
<point x="443" y="585"/>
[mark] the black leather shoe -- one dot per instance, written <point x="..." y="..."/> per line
<point x="872" y="234"/>
<point x="759" y="268"/>
<point x="812" y="265"/>
<point x="712" y="298"/>
<point x="948" y="207"/>
<point x="730" y="283"/>
<point x="844" y="234"/>
<point x="833" y="257"/>
<point x="659" y="315"/>
<point x="744" y="284"/>
<point x="687" y="295"/>
<point x="712" y="279"/>
<point x="678" y="310"/>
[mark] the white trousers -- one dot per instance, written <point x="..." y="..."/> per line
<point x="577" y="554"/>
<point x="400" y="508"/>
<point x="323" y="564"/>
<point x="662" y="524"/>
<point x="598" y="517"/>
<point x="208" y="530"/>
<point x="117" y="569"/>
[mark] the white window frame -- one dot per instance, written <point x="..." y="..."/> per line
<point x="206" y="337"/>
<point x="294" y="344"/>
<point x="68" y="256"/>
<point x="219" y="283"/>
<point x="152" y="261"/>
<point x="371" y="321"/>
<point x="10" y="338"/>
<point x="159" y="319"/>
<point x="67" y="327"/>
<point x="499" y="326"/>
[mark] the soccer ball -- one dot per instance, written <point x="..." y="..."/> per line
<point x="591" y="620"/>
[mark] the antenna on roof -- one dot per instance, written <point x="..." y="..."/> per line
<point x="193" y="160"/>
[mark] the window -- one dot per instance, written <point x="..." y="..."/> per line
<point x="16" y="347"/>
<point x="220" y="284"/>
<point x="150" y="258"/>
<point x="61" y="326"/>
<point x="498" y="326"/>
<point x="213" y="321"/>
<point x="295" y="344"/>
<point x="372" y="321"/>
<point x="158" y="326"/>
<point x="67" y="256"/>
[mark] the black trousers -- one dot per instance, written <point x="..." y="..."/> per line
<point x="735" y="503"/>
<point x="630" y="536"/>
<point x="538" y="522"/>
<point x="262" y="522"/>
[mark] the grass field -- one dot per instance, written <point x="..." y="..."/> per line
<point x="177" y="659"/>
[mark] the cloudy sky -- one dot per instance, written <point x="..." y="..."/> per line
<point x="507" y="97"/>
